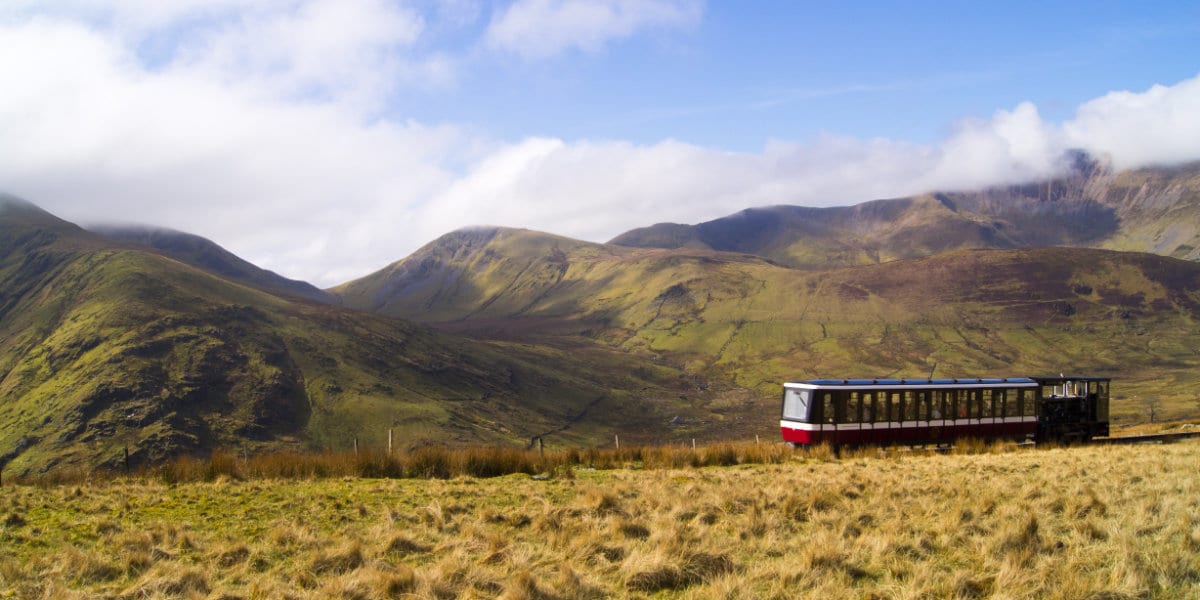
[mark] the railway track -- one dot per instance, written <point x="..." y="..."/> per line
<point x="1157" y="438"/>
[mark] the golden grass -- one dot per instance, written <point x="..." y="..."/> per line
<point x="434" y="462"/>
<point x="1088" y="522"/>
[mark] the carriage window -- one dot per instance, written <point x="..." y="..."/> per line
<point x="816" y="414"/>
<point x="839" y="403"/>
<point x="985" y="403"/>
<point x="853" y="406"/>
<point x="910" y="407"/>
<point x="829" y="408"/>
<point x="1029" y="402"/>
<point x="795" y="404"/>
<point x="922" y="406"/>
<point x="951" y="408"/>
<point x="869" y="413"/>
<point x="894" y="406"/>
<point x="1011" y="408"/>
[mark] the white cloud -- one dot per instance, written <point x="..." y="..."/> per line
<point x="308" y="189"/>
<point x="222" y="140"/>
<point x="1011" y="146"/>
<point x="598" y="189"/>
<point x="343" y="48"/>
<point x="1160" y="125"/>
<point x="544" y="28"/>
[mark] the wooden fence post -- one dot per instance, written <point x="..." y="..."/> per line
<point x="355" y="445"/>
<point x="389" y="441"/>
<point x="617" y="441"/>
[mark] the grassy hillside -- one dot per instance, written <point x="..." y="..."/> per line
<point x="1154" y="210"/>
<point x="1097" y="522"/>
<point x="104" y="346"/>
<point x="741" y="325"/>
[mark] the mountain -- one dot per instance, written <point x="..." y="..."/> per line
<point x="164" y="344"/>
<point x="106" y="345"/>
<point x="205" y="254"/>
<point x="1148" y="210"/>
<point x="740" y="324"/>
<point x="479" y="273"/>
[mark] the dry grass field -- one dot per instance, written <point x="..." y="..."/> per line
<point x="1073" y="523"/>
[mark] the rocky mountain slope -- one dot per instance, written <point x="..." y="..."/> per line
<point x="1148" y="210"/>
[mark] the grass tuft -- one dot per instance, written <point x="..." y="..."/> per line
<point x="340" y="560"/>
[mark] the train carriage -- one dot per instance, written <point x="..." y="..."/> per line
<point x="935" y="411"/>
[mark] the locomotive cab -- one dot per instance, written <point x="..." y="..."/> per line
<point x="1073" y="409"/>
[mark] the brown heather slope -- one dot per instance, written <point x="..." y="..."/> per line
<point x="740" y="325"/>
<point x="106" y="346"/>
<point x="1154" y="210"/>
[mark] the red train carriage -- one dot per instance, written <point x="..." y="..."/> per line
<point x="932" y="411"/>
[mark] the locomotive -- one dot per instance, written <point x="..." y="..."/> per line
<point x="939" y="411"/>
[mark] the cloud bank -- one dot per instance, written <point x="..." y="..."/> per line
<point x="261" y="129"/>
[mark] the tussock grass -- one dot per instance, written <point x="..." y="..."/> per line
<point x="1090" y="522"/>
<point x="436" y="462"/>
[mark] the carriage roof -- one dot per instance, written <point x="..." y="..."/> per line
<point x="905" y="383"/>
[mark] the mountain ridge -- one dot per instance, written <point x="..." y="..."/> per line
<point x="1153" y="210"/>
<point x="204" y="253"/>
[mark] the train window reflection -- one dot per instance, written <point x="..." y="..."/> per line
<point x="795" y="404"/>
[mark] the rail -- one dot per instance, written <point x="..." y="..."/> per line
<point x="1156" y="438"/>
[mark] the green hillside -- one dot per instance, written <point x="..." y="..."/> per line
<point x="1153" y="210"/>
<point x="104" y="346"/>
<point x="740" y="325"/>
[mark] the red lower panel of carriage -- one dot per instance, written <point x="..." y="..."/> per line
<point x="911" y="432"/>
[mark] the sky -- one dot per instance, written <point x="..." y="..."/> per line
<point x="325" y="139"/>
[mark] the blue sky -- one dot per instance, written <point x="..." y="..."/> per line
<point x="748" y="72"/>
<point x="326" y="138"/>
